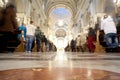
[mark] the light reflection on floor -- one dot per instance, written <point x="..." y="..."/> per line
<point x="61" y="56"/>
<point x="58" y="74"/>
<point x="59" y="66"/>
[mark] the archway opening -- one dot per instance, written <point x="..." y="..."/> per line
<point x="60" y="18"/>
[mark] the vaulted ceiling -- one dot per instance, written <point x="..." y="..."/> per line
<point x="44" y="7"/>
<point x="70" y="4"/>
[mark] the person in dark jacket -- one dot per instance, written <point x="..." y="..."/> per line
<point x="73" y="45"/>
<point x="43" y="42"/>
<point x="38" y="38"/>
<point x="118" y="32"/>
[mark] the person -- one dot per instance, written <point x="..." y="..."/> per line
<point x="78" y="43"/>
<point x="91" y="39"/>
<point x="38" y="38"/>
<point x="109" y="28"/>
<point x="73" y="45"/>
<point x="23" y="29"/>
<point x="118" y="32"/>
<point x="30" y="36"/>
<point x="43" y="42"/>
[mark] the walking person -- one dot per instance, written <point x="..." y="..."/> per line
<point x="38" y="38"/>
<point x="91" y="39"/>
<point x="30" y="36"/>
<point x="43" y="42"/>
<point x="22" y="38"/>
<point x="23" y="32"/>
<point x="78" y="43"/>
<point x="73" y="45"/>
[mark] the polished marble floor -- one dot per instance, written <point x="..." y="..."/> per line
<point x="59" y="66"/>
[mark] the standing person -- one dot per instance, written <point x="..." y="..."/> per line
<point x="78" y="43"/>
<point x="91" y="39"/>
<point x="73" y="45"/>
<point x="38" y="38"/>
<point x="30" y="36"/>
<point x="118" y="32"/>
<point x="23" y="29"/>
<point x="43" y="42"/>
<point x="109" y="28"/>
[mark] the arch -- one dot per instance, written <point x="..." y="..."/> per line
<point x="59" y="14"/>
<point x="60" y="4"/>
<point x="60" y="33"/>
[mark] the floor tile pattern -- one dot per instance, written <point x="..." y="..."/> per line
<point x="46" y="66"/>
<point x="58" y="74"/>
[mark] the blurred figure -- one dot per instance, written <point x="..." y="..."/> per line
<point x="109" y="28"/>
<point x="38" y="38"/>
<point x="118" y="32"/>
<point x="23" y="32"/>
<point x="78" y="43"/>
<point x="91" y="39"/>
<point x="73" y="45"/>
<point x="43" y="42"/>
<point x="30" y="36"/>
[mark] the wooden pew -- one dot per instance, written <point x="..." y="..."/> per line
<point x="99" y="49"/>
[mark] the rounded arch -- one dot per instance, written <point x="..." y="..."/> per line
<point x="60" y="15"/>
<point x="60" y="33"/>
<point x="61" y="12"/>
<point x="60" y="4"/>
